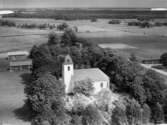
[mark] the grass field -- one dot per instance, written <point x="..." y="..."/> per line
<point x="20" y="39"/>
<point x="146" y="46"/>
<point x="149" y="42"/>
<point x="11" y="98"/>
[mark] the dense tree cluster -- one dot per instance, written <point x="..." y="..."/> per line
<point x="146" y="89"/>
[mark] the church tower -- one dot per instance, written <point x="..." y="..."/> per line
<point x="68" y="71"/>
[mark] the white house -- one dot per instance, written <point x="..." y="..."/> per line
<point x="70" y="75"/>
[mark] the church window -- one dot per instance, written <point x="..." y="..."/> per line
<point x="68" y="68"/>
<point x="101" y="85"/>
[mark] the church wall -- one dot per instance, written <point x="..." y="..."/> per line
<point x="67" y="74"/>
<point x="98" y="85"/>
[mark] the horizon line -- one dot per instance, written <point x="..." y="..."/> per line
<point x="75" y="7"/>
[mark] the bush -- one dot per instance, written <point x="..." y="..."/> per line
<point x="94" y="20"/>
<point x="114" y="22"/>
<point x="62" y="26"/>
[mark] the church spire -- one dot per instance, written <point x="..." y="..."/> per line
<point x="68" y="60"/>
<point x="68" y="71"/>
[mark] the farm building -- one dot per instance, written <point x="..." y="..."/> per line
<point x="151" y="61"/>
<point x="18" y="61"/>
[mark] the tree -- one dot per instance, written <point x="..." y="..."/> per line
<point x="133" y="58"/>
<point x="154" y="86"/>
<point x="119" y="116"/>
<point x="69" y="38"/>
<point x="40" y="56"/>
<point x="146" y="114"/>
<point x="53" y="39"/>
<point x="104" y="100"/>
<point x="91" y="116"/>
<point x="158" y="114"/>
<point x="133" y="112"/>
<point x="62" y="26"/>
<point x="45" y="95"/>
<point x="137" y="90"/>
<point x="163" y="59"/>
<point x="84" y="87"/>
<point x="165" y="104"/>
<point x="76" y="120"/>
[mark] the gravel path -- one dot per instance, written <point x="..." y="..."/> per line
<point x="149" y="66"/>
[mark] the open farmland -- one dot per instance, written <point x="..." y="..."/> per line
<point x="20" y="39"/>
<point x="145" y="46"/>
<point x="147" y="42"/>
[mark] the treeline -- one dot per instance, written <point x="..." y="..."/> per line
<point x="147" y="96"/>
<point x="161" y="24"/>
<point x="76" y="14"/>
<point x="142" y="24"/>
<point x="146" y="23"/>
<point x="59" y="27"/>
<point x="7" y="23"/>
<point x="36" y="26"/>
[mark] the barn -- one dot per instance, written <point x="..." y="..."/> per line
<point x="19" y="61"/>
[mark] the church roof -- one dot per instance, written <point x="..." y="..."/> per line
<point x="94" y="74"/>
<point x="68" y="60"/>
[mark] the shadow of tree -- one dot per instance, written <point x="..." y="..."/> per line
<point x="26" y="78"/>
<point x="25" y="112"/>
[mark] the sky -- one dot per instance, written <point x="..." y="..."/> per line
<point x="82" y="3"/>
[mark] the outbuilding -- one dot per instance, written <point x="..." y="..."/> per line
<point x="19" y="61"/>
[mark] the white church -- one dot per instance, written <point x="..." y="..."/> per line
<point x="70" y="75"/>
